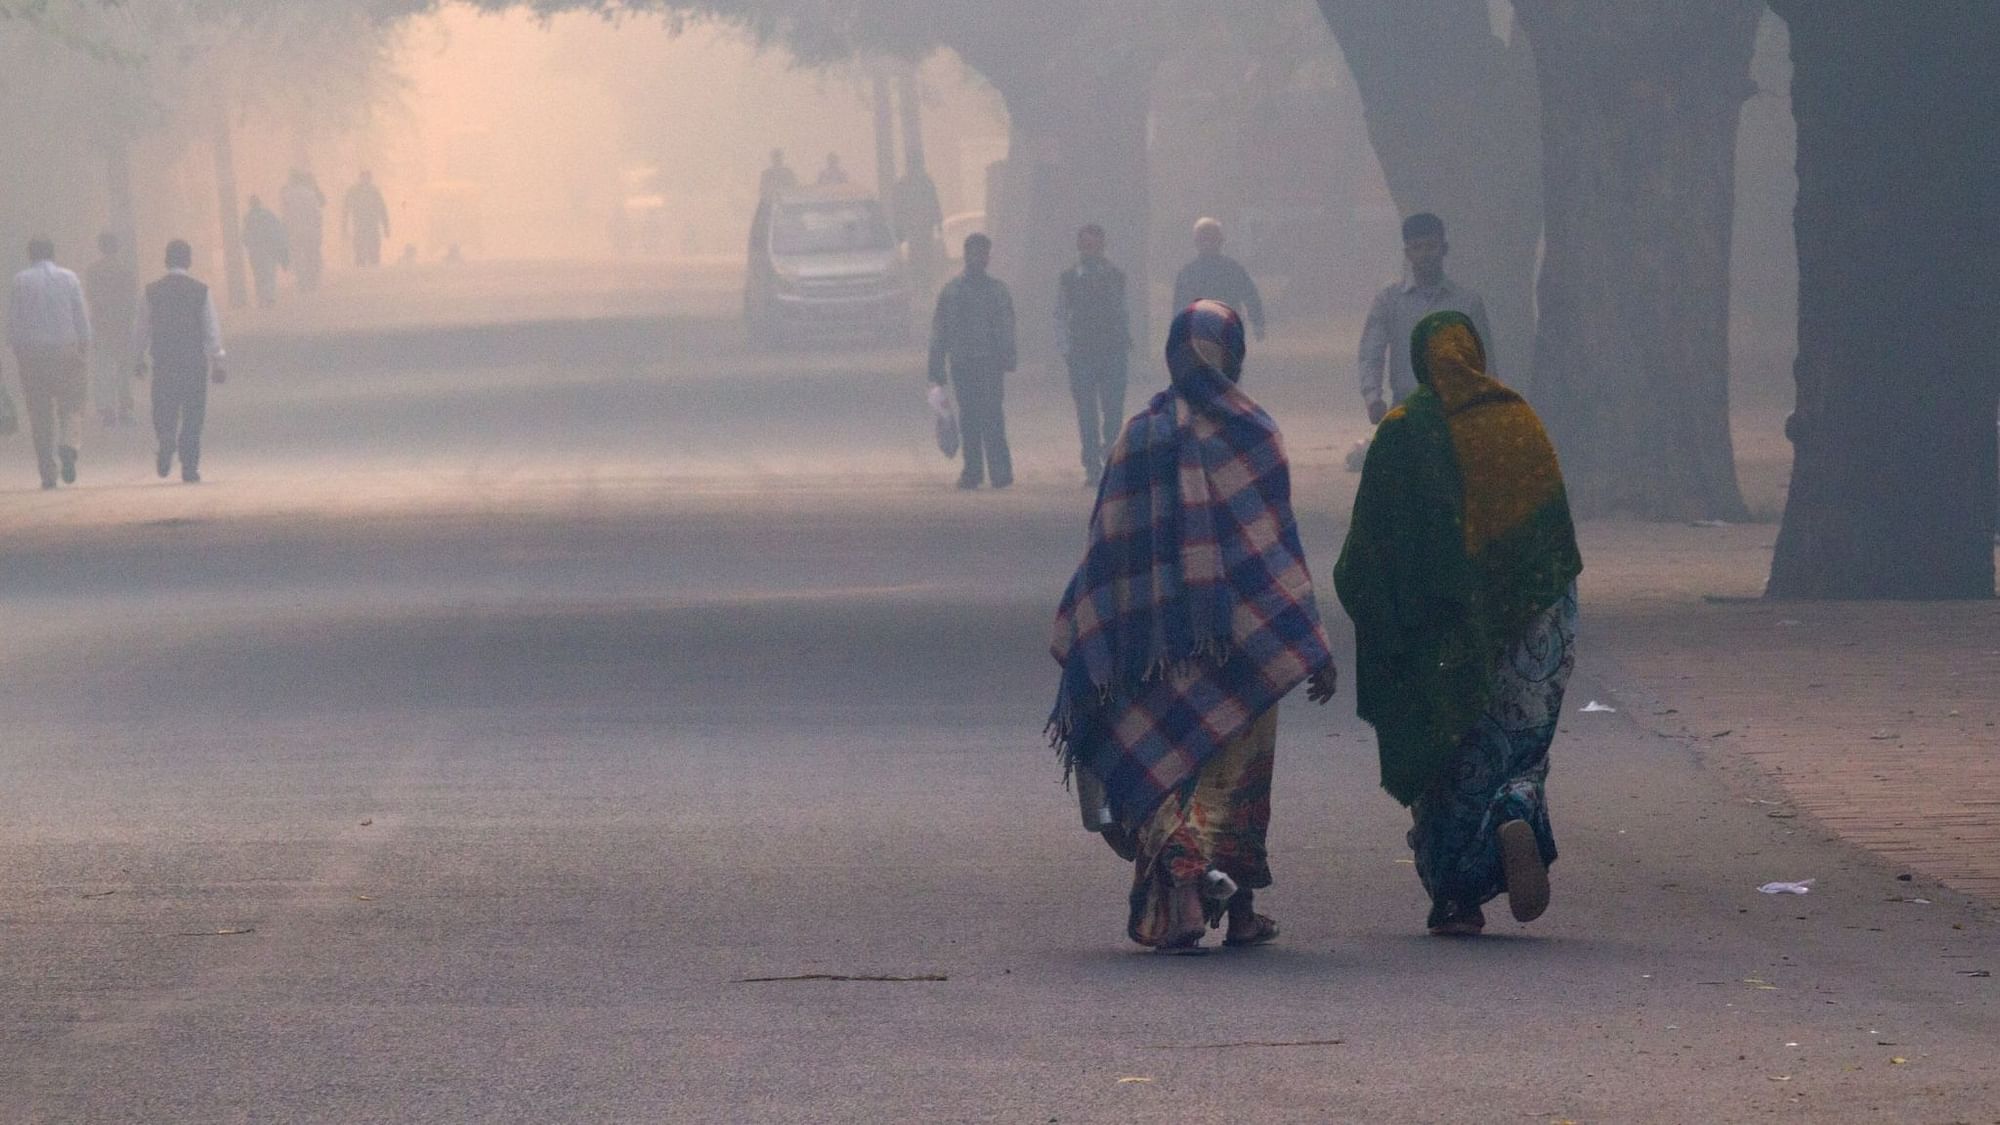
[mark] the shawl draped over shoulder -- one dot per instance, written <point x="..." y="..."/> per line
<point x="1192" y="612"/>
<point x="1461" y="535"/>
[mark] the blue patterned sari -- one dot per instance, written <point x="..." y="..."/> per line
<point x="1498" y="773"/>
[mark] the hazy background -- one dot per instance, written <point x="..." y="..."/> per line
<point x="518" y="138"/>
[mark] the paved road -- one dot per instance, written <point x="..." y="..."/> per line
<point x="462" y="750"/>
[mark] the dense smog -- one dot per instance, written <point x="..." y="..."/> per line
<point x="996" y="560"/>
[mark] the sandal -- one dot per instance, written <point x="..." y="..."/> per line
<point x="1262" y="929"/>
<point x="1465" y="923"/>
<point x="1521" y="865"/>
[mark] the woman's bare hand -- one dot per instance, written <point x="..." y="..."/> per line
<point x="1323" y="684"/>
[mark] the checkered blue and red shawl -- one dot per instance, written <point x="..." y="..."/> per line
<point x="1193" y="611"/>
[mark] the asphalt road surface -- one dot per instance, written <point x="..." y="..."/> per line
<point x="511" y="702"/>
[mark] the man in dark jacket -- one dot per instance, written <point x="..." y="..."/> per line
<point x="179" y="333"/>
<point x="1218" y="277"/>
<point x="973" y="333"/>
<point x="1095" y="336"/>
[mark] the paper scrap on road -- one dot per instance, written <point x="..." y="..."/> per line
<point x="1803" y="886"/>
<point x="1596" y="708"/>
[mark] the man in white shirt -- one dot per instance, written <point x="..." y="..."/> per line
<point x="48" y="325"/>
<point x="180" y="333"/>
<point x="1386" y="375"/>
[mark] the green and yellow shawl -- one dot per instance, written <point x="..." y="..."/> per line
<point x="1461" y="536"/>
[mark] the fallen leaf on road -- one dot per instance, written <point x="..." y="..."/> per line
<point x="367" y="821"/>
<point x="1975" y="972"/>
<point x="1779" y="1077"/>
<point x="1898" y="1061"/>
<point x="1904" y="898"/>
<point x="1131" y="1079"/>
<point x="216" y="933"/>
<point x="364" y="898"/>
<point x="99" y="894"/>
<point x="1883" y="736"/>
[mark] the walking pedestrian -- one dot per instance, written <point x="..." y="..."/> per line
<point x="1095" y="333"/>
<point x="112" y="290"/>
<point x="1191" y="616"/>
<point x="181" y="335"/>
<point x="1387" y="377"/>
<point x="48" y="325"/>
<point x="1219" y="277"/>
<point x="972" y="336"/>
<point x="364" y="217"/>
<point x="1460" y="575"/>
<point x="832" y="173"/>
<point x="777" y="177"/>
<point x="304" y="207"/>
<point x="269" y="249"/>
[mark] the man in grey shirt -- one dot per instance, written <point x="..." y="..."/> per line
<point x="48" y="325"/>
<point x="1386" y="376"/>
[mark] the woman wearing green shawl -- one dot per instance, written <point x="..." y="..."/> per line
<point x="1460" y="575"/>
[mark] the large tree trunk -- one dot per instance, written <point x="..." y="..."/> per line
<point x="231" y="214"/>
<point x="1451" y="113"/>
<point x="1898" y="369"/>
<point x="1108" y="177"/>
<point x="123" y="203"/>
<point x="1640" y="103"/>
<point x="885" y="142"/>
<point x="1078" y="155"/>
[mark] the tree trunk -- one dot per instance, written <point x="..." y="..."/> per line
<point x="885" y="142"/>
<point x="1898" y="372"/>
<point x="231" y="214"/>
<point x="1108" y="177"/>
<point x="1640" y="104"/>
<point x="909" y="96"/>
<point x="1451" y="113"/>
<point x="123" y="206"/>
<point x="1068" y="166"/>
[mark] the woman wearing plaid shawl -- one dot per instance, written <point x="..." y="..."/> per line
<point x="1460" y="574"/>
<point x="1191" y="617"/>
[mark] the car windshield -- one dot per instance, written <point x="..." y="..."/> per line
<point x="830" y="228"/>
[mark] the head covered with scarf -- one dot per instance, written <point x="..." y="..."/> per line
<point x="1206" y="337"/>
<point x="1192" y="612"/>
<point x="1461" y="535"/>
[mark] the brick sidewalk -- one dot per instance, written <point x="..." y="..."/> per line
<point x="1878" y="718"/>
